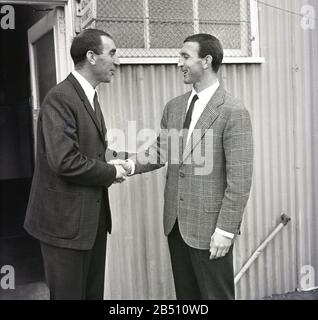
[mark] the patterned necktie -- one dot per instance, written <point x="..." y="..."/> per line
<point x="187" y="120"/>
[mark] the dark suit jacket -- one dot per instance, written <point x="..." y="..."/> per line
<point x="209" y="194"/>
<point x="71" y="176"/>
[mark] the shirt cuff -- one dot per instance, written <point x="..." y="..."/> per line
<point x="225" y="233"/>
<point x="132" y="165"/>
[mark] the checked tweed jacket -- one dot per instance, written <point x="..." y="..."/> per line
<point x="209" y="194"/>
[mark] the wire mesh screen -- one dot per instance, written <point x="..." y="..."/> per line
<point x="169" y="22"/>
<point x="157" y="28"/>
<point x="226" y="19"/>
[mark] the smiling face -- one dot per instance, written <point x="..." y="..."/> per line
<point x="190" y="63"/>
<point x="107" y="62"/>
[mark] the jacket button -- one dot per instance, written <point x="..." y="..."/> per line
<point x="99" y="155"/>
<point x="181" y="199"/>
<point x="98" y="201"/>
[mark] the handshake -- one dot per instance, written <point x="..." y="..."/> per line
<point x="123" y="169"/>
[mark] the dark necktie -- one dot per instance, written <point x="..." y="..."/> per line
<point x="187" y="120"/>
<point x="98" y="111"/>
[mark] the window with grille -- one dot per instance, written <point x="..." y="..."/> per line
<point x="157" y="28"/>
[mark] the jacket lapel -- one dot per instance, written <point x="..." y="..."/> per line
<point x="207" y="118"/>
<point x="87" y="105"/>
<point x="180" y="113"/>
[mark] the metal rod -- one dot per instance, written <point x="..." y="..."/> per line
<point x="284" y="220"/>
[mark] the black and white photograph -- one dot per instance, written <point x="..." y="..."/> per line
<point x="159" y="150"/>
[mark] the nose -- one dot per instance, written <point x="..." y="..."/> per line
<point x="116" y="61"/>
<point x="180" y="62"/>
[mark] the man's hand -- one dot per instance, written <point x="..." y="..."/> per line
<point x="219" y="246"/>
<point x="123" y="168"/>
<point x="124" y="163"/>
<point x="121" y="174"/>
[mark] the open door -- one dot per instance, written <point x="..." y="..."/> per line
<point x="49" y="62"/>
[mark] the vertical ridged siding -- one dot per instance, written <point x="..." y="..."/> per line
<point x="138" y="261"/>
<point x="281" y="95"/>
<point x="314" y="122"/>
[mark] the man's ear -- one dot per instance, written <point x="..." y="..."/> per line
<point x="207" y="62"/>
<point x="90" y="56"/>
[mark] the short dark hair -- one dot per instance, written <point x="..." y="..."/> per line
<point x="88" y="39"/>
<point x="208" y="45"/>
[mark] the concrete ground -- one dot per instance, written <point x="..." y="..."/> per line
<point x="303" y="295"/>
<point x="31" y="291"/>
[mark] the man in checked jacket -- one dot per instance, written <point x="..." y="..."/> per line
<point x="209" y="174"/>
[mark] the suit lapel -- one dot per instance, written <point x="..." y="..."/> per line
<point x="87" y="105"/>
<point x="104" y="130"/>
<point x="180" y="112"/>
<point x="207" y="118"/>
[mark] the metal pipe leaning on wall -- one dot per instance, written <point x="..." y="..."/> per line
<point x="283" y="222"/>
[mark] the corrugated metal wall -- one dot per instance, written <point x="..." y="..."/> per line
<point x="138" y="264"/>
<point x="314" y="94"/>
<point x="281" y="95"/>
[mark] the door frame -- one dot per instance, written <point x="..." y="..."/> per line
<point x="52" y="21"/>
<point x="66" y="25"/>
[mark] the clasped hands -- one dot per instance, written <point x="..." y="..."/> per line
<point x="123" y="169"/>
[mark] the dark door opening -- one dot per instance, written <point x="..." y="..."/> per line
<point x="17" y="248"/>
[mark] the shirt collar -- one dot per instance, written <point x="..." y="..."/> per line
<point x="86" y="86"/>
<point x="206" y="94"/>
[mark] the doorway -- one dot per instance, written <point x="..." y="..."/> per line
<point x="19" y="105"/>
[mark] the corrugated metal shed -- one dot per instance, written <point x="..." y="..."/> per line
<point x="281" y="95"/>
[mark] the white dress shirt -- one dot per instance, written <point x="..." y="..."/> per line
<point x="87" y="87"/>
<point x="199" y="106"/>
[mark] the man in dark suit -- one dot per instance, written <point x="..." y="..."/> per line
<point x="206" y="139"/>
<point x="68" y="209"/>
